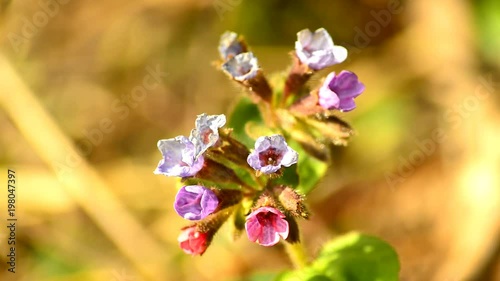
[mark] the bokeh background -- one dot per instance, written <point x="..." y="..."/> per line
<point x="88" y="87"/>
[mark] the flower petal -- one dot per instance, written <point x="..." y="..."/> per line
<point x="242" y="67"/>
<point x="253" y="229"/>
<point x="195" y="202"/>
<point x="339" y="91"/>
<point x="271" y="152"/>
<point x="230" y="45"/>
<point x="291" y="157"/>
<point x="269" y="236"/>
<point x="266" y="225"/>
<point x="178" y="158"/>
<point x="206" y="132"/>
<point x="192" y="241"/>
<point x="317" y="50"/>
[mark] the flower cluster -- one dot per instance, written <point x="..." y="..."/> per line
<point x="315" y="51"/>
<point x="201" y="161"/>
<point x="223" y="180"/>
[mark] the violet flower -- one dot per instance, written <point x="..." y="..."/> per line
<point x="195" y="202"/>
<point x="230" y="45"/>
<point x="339" y="91"/>
<point x="178" y="158"/>
<point x="206" y="132"/>
<point x="271" y="152"/>
<point x="317" y="50"/>
<point x="192" y="241"/>
<point x="266" y="225"/>
<point x="242" y="67"/>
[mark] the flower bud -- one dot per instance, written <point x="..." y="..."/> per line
<point x="338" y="91"/>
<point x="192" y="241"/>
<point x="230" y="45"/>
<point x="195" y="202"/>
<point x="196" y="238"/>
<point x="244" y="69"/>
<point x="291" y="201"/>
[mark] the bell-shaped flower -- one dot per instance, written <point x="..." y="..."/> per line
<point x="317" y="50"/>
<point x="206" y="132"/>
<point x="242" y="67"/>
<point x="266" y="225"/>
<point x="338" y="91"/>
<point x="271" y="152"/>
<point x="195" y="202"/>
<point x="231" y="45"/>
<point x="178" y="158"/>
<point x="192" y="241"/>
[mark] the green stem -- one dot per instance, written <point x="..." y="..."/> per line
<point x="297" y="254"/>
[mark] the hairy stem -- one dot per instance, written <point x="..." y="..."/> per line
<point x="297" y="254"/>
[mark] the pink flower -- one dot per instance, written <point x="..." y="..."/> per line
<point x="192" y="241"/>
<point x="266" y="225"/>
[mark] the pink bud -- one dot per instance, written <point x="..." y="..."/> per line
<point x="192" y="241"/>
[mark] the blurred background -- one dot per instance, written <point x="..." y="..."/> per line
<point x="87" y="90"/>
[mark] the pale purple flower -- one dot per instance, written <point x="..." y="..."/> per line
<point x="230" y="45"/>
<point x="178" y="158"/>
<point x="242" y="67"/>
<point x="339" y="91"/>
<point x="271" y="152"/>
<point x="266" y="225"/>
<point x="195" y="202"/>
<point x="206" y="132"/>
<point x="317" y="50"/>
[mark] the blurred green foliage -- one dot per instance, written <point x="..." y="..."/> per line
<point x="350" y="257"/>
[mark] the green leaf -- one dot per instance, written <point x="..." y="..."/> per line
<point x="310" y="169"/>
<point x="264" y="276"/>
<point x="244" y="112"/>
<point x="487" y="18"/>
<point x="351" y="257"/>
<point x="289" y="178"/>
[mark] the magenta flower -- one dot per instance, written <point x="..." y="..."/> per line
<point x="195" y="202"/>
<point x="317" y="50"/>
<point x="266" y="225"/>
<point x="206" y="132"/>
<point x="271" y="153"/>
<point x="178" y="158"/>
<point x="192" y="241"/>
<point x="242" y="67"/>
<point x="338" y="92"/>
<point x="230" y="45"/>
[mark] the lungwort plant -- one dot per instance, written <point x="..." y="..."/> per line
<point x="255" y="169"/>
